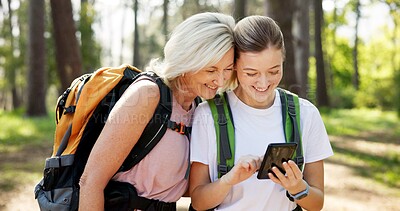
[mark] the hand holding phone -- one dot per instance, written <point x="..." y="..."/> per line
<point x="276" y="154"/>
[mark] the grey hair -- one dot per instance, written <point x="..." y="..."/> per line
<point x="199" y="41"/>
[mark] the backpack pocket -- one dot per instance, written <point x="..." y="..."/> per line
<point x="56" y="190"/>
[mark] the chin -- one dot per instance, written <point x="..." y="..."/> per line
<point x="208" y="95"/>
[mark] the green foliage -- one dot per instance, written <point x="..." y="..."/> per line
<point x="90" y="49"/>
<point x="343" y="97"/>
<point x="377" y="88"/>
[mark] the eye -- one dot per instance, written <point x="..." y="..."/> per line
<point x="228" y="69"/>
<point x="251" y="74"/>
<point x="275" y="72"/>
<point x="210" y="70"/>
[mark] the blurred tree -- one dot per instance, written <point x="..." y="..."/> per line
<point x="136" y="45"/>
<point x="356" y="77"/>
<point x="90" y="50"/>
<point x="239" y="9"/>
<point x="36" y="60"/>
<point x="121" y="50"/>
<point x="12" y="69"/>
<point x="301" y="36"/>
<point x="394" y="8"/>
<point x="322" y="95"/>
<point x="165" y="20"/>
<point x="68" y="57"/>
<point x="282" y="12"/>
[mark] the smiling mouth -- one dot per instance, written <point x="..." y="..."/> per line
<point x="260" y="89"/>
<point x="211" y="87"/>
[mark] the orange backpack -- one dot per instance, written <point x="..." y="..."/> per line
<point x="81" y="113"/>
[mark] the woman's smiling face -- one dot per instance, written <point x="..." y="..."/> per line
<point x="258" y="74"/>
<point x="206" y="82"/>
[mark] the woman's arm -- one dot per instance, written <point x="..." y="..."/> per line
<point x="206" y="195"/>
<point x="122" y="130"/>
<point x="314" y="175"/>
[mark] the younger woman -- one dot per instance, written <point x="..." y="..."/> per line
<point x="256" y="109"/>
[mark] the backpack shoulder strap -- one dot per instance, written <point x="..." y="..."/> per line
<point x="157" y="126"/>
<point x="291" y="123"/>
<point x="225" y="135"/>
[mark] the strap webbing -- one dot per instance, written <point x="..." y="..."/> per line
<point x="224" y="148"/>
<point x="291" y="127"/>
<point x="299" y="159"/>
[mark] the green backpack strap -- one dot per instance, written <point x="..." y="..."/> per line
<point x="291" y="123"/>
<point x="225" y="134"/>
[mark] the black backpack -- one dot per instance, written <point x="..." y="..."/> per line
<point x="81" y="113"/>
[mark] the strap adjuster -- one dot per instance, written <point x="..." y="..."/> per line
<point x="223" y="169"/>
<point x="299" y="160"/>
<point x="178" y="127"/>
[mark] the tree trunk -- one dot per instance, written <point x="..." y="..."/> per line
<point x="302" y="45"/>
<point x="239" y="9"/>
<point x="136" y="56"/>
<point x="356" y="77"/>
<point x="68" y="57"/>
<point x="322" y="95"/>
<point x="16" y="98"/>
<point x="165" y="20"/>
<point x="36" y="60"/>
<point x="282" y="12"/>
<point x="121" y="50"/>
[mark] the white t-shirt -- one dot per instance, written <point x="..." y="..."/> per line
<point x="254" y="130"/>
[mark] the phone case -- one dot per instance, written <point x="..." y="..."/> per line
<point x="276" y="154"/>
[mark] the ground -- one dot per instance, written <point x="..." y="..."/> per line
<point x="345" y="189"/>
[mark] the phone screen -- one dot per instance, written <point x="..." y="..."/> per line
<point x="276" y="154"/>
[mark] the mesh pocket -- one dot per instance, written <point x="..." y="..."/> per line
<point x="57" y="199"/>
<point x="56" y="190"/>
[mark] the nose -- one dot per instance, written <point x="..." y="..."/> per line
<point x="263" y="81"/>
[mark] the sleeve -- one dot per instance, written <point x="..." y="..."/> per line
<point x="203" y="133"/>
<point x="315" y="138"/>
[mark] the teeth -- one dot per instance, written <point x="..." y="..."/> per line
<point x="260" y="90"/>
<point x="212" y="87"/>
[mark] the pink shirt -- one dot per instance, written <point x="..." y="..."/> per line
<point x="161" y="174"/>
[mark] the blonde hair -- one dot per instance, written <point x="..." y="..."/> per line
<point x="199" y="41"/>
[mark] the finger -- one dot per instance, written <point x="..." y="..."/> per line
<point x="245" y="165"/>
<point x="255" y="164"/>
<point x="296" y="171"/>
<point x="274" y="179"/>
<point x="289" y="171"/>
<point x="279" y="174"/>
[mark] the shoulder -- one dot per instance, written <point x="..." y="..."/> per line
<point x="203" y="108"/>
<point x="143" y="92"/>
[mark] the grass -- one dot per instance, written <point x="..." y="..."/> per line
<point x="17" y="131"/>
<point x="25" y="142"/>
<point x="352" y="122"/>
<point x="370" y="126"/>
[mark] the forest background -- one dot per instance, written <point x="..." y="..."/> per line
<point x="342" y="55"/>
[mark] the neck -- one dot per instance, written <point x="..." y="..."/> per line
<point x="184" y="98"/>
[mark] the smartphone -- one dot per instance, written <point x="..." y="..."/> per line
<point x="276" y="154"/>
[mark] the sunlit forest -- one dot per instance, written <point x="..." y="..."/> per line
<point x="342" y="55"/>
